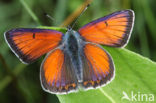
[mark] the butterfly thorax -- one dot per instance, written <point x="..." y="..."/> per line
<point x="73" y="46"/>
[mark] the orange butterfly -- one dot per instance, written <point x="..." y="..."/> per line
<point x="74" y="59"/>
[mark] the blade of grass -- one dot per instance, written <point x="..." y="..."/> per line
<point x="30" y="11"/>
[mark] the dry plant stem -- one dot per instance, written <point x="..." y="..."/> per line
<point x="75" y="14"/>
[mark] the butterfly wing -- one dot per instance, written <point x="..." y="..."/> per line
<point x="98" y="67"/>
<point x="30" y="44"/>
<point x="112" y="30"/>
<point x="57" y="73"/>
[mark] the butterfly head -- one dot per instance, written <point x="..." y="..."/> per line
<point x="69" y="28"/>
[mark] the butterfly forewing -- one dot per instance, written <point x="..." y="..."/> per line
<point x="30" y="44"/>
<point x="112" y="30"/>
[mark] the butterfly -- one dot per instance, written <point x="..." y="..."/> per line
<point x="75" y="59"/>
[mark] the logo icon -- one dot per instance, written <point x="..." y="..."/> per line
<point x="137" y="96"/>
<point x="125" y="96"/>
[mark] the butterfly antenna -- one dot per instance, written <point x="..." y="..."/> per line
<point x="51" y="18"/>
<point x="80" y="15"/>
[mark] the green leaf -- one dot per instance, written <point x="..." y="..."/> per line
<point x="61" y="29"/>
<point x="133" y="73"/>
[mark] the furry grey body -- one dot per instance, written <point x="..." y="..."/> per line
<point x="72" y="45"/>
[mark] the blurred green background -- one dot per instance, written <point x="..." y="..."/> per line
<point x="19" y="82"/>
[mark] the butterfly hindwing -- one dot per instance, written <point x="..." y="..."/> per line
<point x="98" y="67"/>
<point x="112" y="30"/>
<point x="57" y="73"/>
<point x="30" y="44"/>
